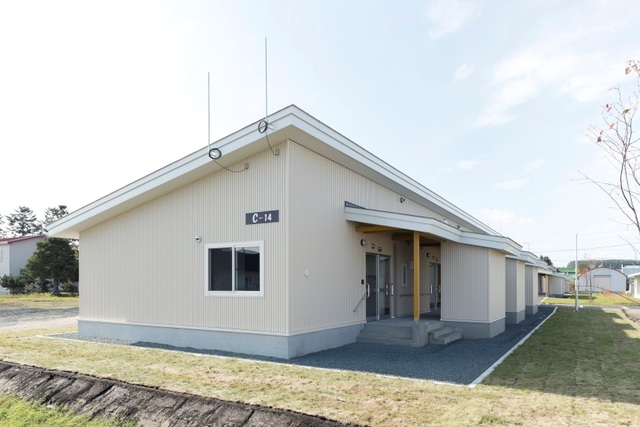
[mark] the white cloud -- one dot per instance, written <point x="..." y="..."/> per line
<point x="463" y="72"/>
<point x="448" y="16"/>
<point x="503" y="218"/>
<point x="467" y="164"/>
<point x="562" y="63"/>
<point x="513" y="184"/>
<point x="534" y="165"/>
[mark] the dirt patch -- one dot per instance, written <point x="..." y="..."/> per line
<point x="633" y="315"/>
<point x="145" y="406"/>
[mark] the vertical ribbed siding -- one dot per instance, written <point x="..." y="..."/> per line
<point x="512" y="285"/>
<point x="520" y="298"/>
<point x="473" y="283"/>
<point x="515" y="281"/>
<point x="497" y="285"/>
<point x="144" y="266"/>
<point x="322" y="241"/>
<point x="465" y="282"/>
<point x="531" y="285"/>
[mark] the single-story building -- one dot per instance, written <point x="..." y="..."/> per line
<point x="602" y="279"/>
<point x="286" y="244"/>
<point x="634" y="285"/>
<point x="14" y="253"/>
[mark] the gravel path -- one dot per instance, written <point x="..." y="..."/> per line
<point x="460" y="362"/>
<point x="27" y="318"/>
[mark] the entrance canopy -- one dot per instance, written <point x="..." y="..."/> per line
<point x="380" y="221"/>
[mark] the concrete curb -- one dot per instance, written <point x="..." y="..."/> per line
<point x="145" y="406"/>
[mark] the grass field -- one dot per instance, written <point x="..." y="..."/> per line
<point x="577" y="369"/>
<point x="44" y="300"/>
<point x="15" y="412"/>
<point x="597" y="299"/>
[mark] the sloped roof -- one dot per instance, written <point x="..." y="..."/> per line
<point x="9" y="240"/>
<point x="288" y="123"/>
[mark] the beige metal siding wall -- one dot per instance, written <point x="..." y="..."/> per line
<point x="515" y="285"/>
<point x="512" y="285"/>
<point x="465" y="283"/>
<point x="531" y="285"/>
<point x="325" y="244"/>
<point x="144" y="266"/>
<point x="556" y="285"/>
<point x="520" y="299"/>
<point x="497" y="285"/>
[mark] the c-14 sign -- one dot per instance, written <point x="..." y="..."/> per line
<point x="262" y="217"/>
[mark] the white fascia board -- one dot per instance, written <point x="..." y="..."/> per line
<point x="431" y="226"/>
<point x="529" y="258"/>
<point x="177" y="174"/>
<point x="288" y="123"/>
<point x="383" y="173"/>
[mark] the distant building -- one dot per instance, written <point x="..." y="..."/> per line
<point x="602" y="279"/>
<point x="14" y="253"/>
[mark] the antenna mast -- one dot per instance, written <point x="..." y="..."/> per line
<point x="266" y="87"/>
<point x="264" y="125"/>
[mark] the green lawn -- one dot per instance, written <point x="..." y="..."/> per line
<point x="577" y="369"/>
<point x="596" y="298"/>
<point x="15" y="412"/>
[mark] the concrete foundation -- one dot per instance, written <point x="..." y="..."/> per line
<point x="280" y="346"/>
<point x="474" y="330"/>
<point x="512" y="318"/>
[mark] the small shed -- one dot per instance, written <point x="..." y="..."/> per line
<point x="602" y="279"/>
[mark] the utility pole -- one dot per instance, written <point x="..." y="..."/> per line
<point x="575" y="286"/>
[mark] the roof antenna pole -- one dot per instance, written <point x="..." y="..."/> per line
<point x="208" y="111"/>
<point x="264" y="125"/>
<point x="214" y="153"/>
<point x="266" y="85"/>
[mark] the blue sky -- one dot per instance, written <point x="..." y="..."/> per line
<point x="486" y="103"/>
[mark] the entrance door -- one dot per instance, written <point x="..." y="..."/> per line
<point x="379" y="289"/>
<point x="434" y="281"/>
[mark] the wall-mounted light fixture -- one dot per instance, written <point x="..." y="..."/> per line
<point x="198" y="239"/>
<point x="402" y="199"/>
<point x="363" y="242"/>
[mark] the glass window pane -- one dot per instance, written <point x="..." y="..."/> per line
<point x="248" y="268"/>
<point x="220" y="275"/>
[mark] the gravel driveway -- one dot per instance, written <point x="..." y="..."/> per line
<point x="28" y="318"/>
<point x="461" y="362"/>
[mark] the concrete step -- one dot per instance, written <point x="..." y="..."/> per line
<point x="445" y="337"/>
<point x="386" y="334"/>
<point x="443" y="330"/>
<point x="405" y="332"/>
<point x="384" y="340"/>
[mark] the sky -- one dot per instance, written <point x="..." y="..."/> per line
<point x="486" y="103"/>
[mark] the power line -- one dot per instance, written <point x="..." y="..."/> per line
<point x="587" y="249"/>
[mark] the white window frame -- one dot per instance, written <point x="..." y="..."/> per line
<point x="234" y="292"/>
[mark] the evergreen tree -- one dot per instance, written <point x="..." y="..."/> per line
<point x="23" y="222"/>
<point x="51" y="215"/>
<point x="56" y="259"/>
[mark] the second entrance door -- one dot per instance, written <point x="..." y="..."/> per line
<point x="379" y="290"/>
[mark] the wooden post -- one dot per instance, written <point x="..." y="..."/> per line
<point x="416" y="276"/>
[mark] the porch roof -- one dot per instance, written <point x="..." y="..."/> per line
<point x="390" y="221"/>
